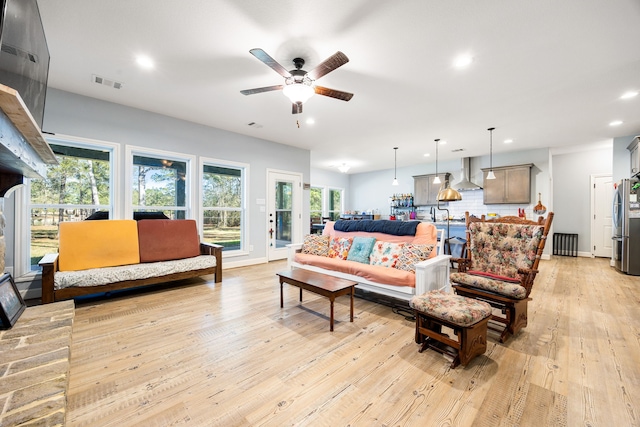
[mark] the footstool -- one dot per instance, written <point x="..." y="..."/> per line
<point x="467" y="317"/>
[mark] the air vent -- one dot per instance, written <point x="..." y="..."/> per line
<point x="106" y="82"/>
<point x="254" y="125"/>
<point x="16" y="51"/>
<point x="457" y="150"/>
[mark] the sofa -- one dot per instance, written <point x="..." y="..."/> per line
<point x="403" y="260"/>
<point x="107" y="255"/>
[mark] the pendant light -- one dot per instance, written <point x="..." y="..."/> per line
<point x="436" y="180"/>
<point x="395" y="166"/>
<point x="490" y="175"/>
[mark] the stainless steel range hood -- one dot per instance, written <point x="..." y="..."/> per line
<point x="465" y="174"/>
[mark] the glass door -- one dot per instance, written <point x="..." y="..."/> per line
<point x="285" y="212"/>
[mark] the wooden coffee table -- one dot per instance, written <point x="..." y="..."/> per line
<point x="321" y="284"/>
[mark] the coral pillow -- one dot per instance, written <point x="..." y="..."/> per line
<point x="315" y="244"/>
<point x="385" y="254"/>
<point x="361" y="249"/>
<point x="412" y="254"/>
<point x="339" y="247"/>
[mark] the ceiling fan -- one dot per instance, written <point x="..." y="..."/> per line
<point x="299" y="84"/>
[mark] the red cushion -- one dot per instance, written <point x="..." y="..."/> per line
<point x="167" y="239"/>
<point x="494" y="276"/>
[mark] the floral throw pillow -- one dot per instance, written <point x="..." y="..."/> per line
<point x="385" y="254"/>
<point x="339" y="247"/>
<point x="361" y="249"/>
<point x="315" y="244"/>
<point x="412" y="254"/>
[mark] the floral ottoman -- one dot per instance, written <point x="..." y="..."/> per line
<point x="467" y="317"/>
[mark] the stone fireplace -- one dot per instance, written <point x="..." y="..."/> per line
<point x="24" y="153"/>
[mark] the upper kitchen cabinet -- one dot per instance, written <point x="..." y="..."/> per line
<point x="511" y="186"/>
<point x="425" y="191"/>
<point x="635" y="156"/>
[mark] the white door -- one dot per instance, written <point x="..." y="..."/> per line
<point x="601" y="218"/>
<point x="284" y="216"/>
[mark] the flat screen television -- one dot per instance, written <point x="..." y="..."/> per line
<point x="24" y="54"/>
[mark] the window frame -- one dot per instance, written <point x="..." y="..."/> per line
<point x="190" y="209"/>
<point x="244" y="205"/>
<point x="22" y="247"/>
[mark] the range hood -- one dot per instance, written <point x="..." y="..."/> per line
<point x="465" y="184"/>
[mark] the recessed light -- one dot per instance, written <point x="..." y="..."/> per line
<point x="463" y="61"/>
<point x="630" y="94"/>
<point x="615" y="123"/>
<point x="442" y="142"/>
<point x="427" y="154"/>
<point x="144" y="62"/>
<point x="508" y="141"/>
<point x="310" y="121"/>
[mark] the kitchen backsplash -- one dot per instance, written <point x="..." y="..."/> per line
<point x="472" y="201"/>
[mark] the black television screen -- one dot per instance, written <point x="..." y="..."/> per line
<point x="24" y="56"/>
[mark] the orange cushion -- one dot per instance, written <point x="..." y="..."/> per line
<point x="95" y="244"/>
<point x="373" y="273"/>
<point x="167" y="239"/>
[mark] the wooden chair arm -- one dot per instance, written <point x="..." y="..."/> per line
<point x="215" y="250"/>
<point x="49" y="264"/>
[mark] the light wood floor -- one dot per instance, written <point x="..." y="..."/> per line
<point x="226" y="355"/>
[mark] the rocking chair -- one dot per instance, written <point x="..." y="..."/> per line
<point x="501" y="264"/>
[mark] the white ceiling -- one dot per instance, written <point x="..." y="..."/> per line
<point x="546" y="73"/>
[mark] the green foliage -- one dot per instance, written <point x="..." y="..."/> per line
<point x="75" y="181"/>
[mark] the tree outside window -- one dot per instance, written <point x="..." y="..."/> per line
<point x="335" y="204"/>
<point x="78" y="186"/>
<point x="222" y="206"/>
<point x="316" y="205"/>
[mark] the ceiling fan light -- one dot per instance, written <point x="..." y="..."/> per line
<point x="298" y="92"/>
<point x="344" y="168"/>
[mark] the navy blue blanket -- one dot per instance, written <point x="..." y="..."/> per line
<point x="396" y="228"/>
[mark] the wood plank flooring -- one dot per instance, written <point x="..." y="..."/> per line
<point x="207" y="354"/>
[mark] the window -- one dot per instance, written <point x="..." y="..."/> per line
<point x="79" y="186"/>
<point x="316" y="210"/>
<point x="223" y="204"/>
<point x="159" y="182"/>
<point x="335" y="203"/>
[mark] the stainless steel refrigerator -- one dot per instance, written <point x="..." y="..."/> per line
<point x="626" y="227"/>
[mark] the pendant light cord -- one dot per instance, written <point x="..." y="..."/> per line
<point x="491" y="148"/>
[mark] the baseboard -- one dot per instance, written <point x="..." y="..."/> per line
<point x="243" y="263"/>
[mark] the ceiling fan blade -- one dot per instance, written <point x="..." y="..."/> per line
<point x="296" y="108"/>
<point x="261" y="89"/>
<point x="328" y="65"/>
<point x="333" y="93"/>
<point x="269" y="61"/>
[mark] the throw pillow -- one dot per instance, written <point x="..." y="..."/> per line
<point x="412" y="254"/>
<point x="315" y="244"/>
<point x="361" y="249"/>
<point x="339" y="247"/>
<point x="385" y="254"/>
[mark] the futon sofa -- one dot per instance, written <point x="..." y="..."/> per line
<point x="107" y="255"/>
<point x="402" y="262"/>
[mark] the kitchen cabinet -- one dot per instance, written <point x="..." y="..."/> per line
<point x="511" y="186"/>
<point x="425" y="191"/>
<point x="635" y="156"/>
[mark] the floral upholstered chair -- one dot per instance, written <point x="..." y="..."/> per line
<point x="501" y="264"/>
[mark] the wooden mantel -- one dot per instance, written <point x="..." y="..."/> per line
<point x="23" y="150"/>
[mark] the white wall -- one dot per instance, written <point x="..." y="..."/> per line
<point x="572" y="191"/>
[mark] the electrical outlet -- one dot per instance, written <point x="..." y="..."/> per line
<point x="250" y="248"/>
